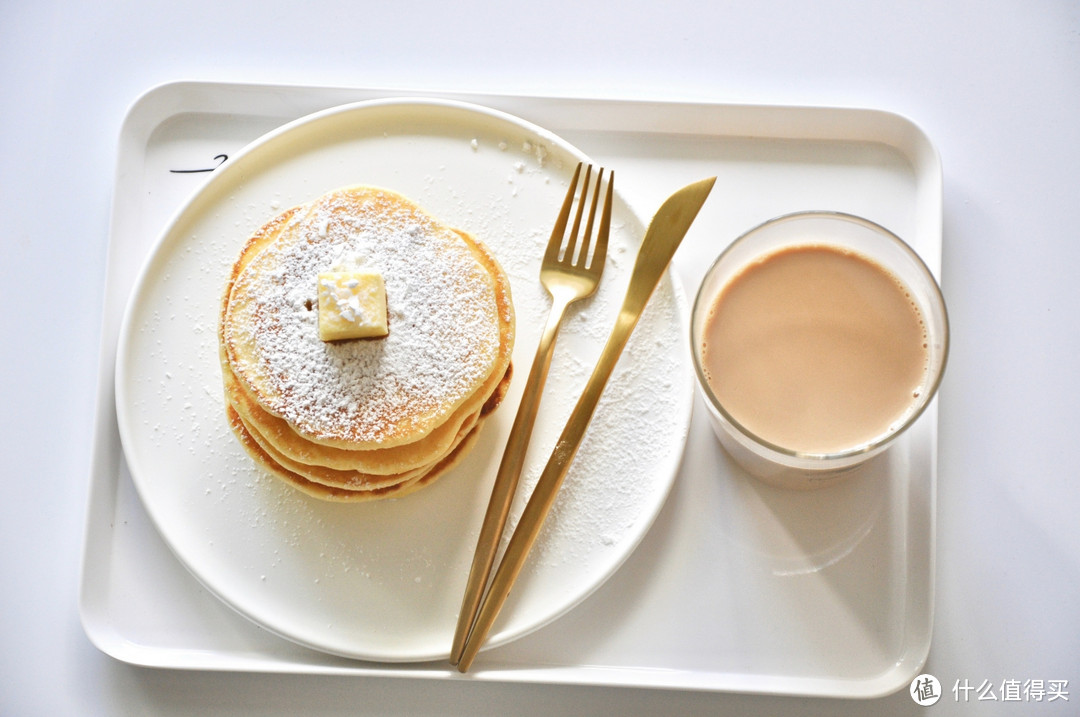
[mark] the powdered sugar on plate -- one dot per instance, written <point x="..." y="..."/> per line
<point x="384" y="580"/>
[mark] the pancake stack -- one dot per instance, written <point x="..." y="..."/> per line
<point x="364" y="418"/>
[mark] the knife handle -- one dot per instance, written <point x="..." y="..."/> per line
<point x="543" y="495"/>
<point x="506" y="480"/>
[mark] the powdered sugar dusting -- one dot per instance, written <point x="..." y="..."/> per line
<point x="444" y="331"/>
<point x="610" y="479"/>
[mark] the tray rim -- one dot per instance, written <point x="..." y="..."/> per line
<point x="166" y="100"/>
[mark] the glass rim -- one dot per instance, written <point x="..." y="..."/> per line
<point x="917" y="409"/>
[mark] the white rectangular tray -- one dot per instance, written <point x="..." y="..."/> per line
<point x="737" y="587"/>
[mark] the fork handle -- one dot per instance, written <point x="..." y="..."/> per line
<point x="506" y="480"/>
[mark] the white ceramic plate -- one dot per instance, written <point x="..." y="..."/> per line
<point x="383" y="581"/>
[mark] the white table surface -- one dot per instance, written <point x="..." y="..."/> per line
<point x="996" y="86"/>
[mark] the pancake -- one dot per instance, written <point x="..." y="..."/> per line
<point x="345" y="495"/>
<point x="448" y="327"/>
<point x="393" y="459"/>
<point x="383" y="461"/>
<point x="368" y="418"/>
<point x="357" y="479"/>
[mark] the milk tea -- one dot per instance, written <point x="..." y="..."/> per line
<point x="815" y="349"/>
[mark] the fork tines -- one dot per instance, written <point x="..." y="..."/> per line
<point x="569" y="252"/>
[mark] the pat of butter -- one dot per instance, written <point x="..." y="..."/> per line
<point x="352" y="305"/>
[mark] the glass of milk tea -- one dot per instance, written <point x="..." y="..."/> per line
<point x="818" y="338"/>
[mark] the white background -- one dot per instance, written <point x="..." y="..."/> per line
<point x="996" y="86"/>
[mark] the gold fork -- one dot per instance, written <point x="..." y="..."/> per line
<point x="570" y="271"/>
<point x="662" y="238"/>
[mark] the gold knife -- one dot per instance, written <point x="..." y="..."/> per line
<point x="662" y="238"/>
